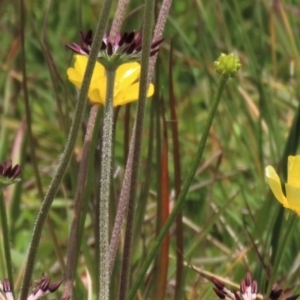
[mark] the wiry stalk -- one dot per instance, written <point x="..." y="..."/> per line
<point x="159" y="27"/>
<point x="119" y="18"/>
<point x="105" y="177"/>
<point x="137" y="141"/>
<point x="124" y="196"/>
<point x="57" y="178"/>
<point x="6" y="239"/>
<point x="74" y="242"/>
<point x="179" y="203"/>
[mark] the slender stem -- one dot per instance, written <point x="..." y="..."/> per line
<point x="159" y="27"/>
<point x="105" y="177"/>
<point x="31" y="138"/>
<point x="137" y="141"/>
<point x="291" y="224"/>
<point x="54" y="185"/>
<point x="181" y="200"/>
<point x="177" y="179"/>
<point x="121" y="211"/>
<point x="74" y="243"/>
<point x="6" y="240"/>
<point x="119" y="18"/>
<point x="124" y="196"/>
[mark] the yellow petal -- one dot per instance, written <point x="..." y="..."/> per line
<point x="95" y="96"/>
<point x="274" y="183"/>
<point x="126" y="85"/>
<point x="80" y="63"/>
<point x="294" y="170"/>
<point x="80" y="66"/>
<point x="293" y="197"/>
<point x="99" y="84"/>
<point x="126" y="75"/>
<point x="75" y="77"/>
<point x="131" y="94"/>
<point x="150" y="90"/>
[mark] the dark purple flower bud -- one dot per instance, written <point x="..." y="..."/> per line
<point x="87" y="38"/>
<point x="130" y="37"/>
<point x="243" y="287"/>
<point x="274" y="295"/>
<point x="154" y="51"/>
<point x="131" y="48"/>
<point x="5" y="168"/>
<point x="236" y="295"/>
<point x="15" y="171"/>
<point x="292" y="297"/>
<point x="44" y="284"/>
<point x="248" y="281"/>
<point x="109" y="48"/>
<point x="103" y="46"/>
<point x="219" y="285"/>
<point x="219" y="293"/>
<point x="6" y="286"/>
<point x="54" y="286"/>
<point x="138" y="48"/>
<point x="254" y="288"/>
<point x="138" y="38"/>
<point x="9" y="172"/>
<point x="115" y="51"/>
<point x="123" y="39"/>
<point x="156" y="43"/>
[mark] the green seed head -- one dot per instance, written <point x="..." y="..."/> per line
<point x="227" y="65"/>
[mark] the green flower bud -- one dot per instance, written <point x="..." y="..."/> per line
<point x="227" y="65"/>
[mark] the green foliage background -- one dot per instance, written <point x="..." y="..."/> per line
<point x="232" y="224"/>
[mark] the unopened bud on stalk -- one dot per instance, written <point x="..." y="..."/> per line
<point x="227" y="65"/>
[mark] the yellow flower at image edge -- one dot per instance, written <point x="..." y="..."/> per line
<point x="292" y="187"/>
<point x="126" y="81"/>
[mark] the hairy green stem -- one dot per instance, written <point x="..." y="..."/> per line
<point x="74" y="242"/>
<point x="123" y="200"/>
<point x="137" y="141"/>
<point x="105" y="177"/>
<point x="57" y="178"/>
<point x="119" y="18"/>
<point x="6" y="240"/>
<point x="31" y="141"/>
<point x="181" y="200"/>
<point x="159" y="27"/>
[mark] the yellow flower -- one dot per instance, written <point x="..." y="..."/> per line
<point x="126" y="81"/>
<point x="292" y="187"/>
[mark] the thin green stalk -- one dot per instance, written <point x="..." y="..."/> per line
<point x="90" y="184"/>
<point x="179" y="203"/>
<point x="105" y="177"/>
<point x="57" y="178"/>
<point x="5" y="111"/>
<point x="6" y="240"/>
<point x="74" y="242"/>
<point x="137" y="141"/>
<point x="31" y="140"/>
<point x="123" y="200"/>
<point x="290" y="228"/>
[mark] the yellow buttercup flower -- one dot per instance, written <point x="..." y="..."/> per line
<point x="292" y="187"/>
<point x="126" y="81"/>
